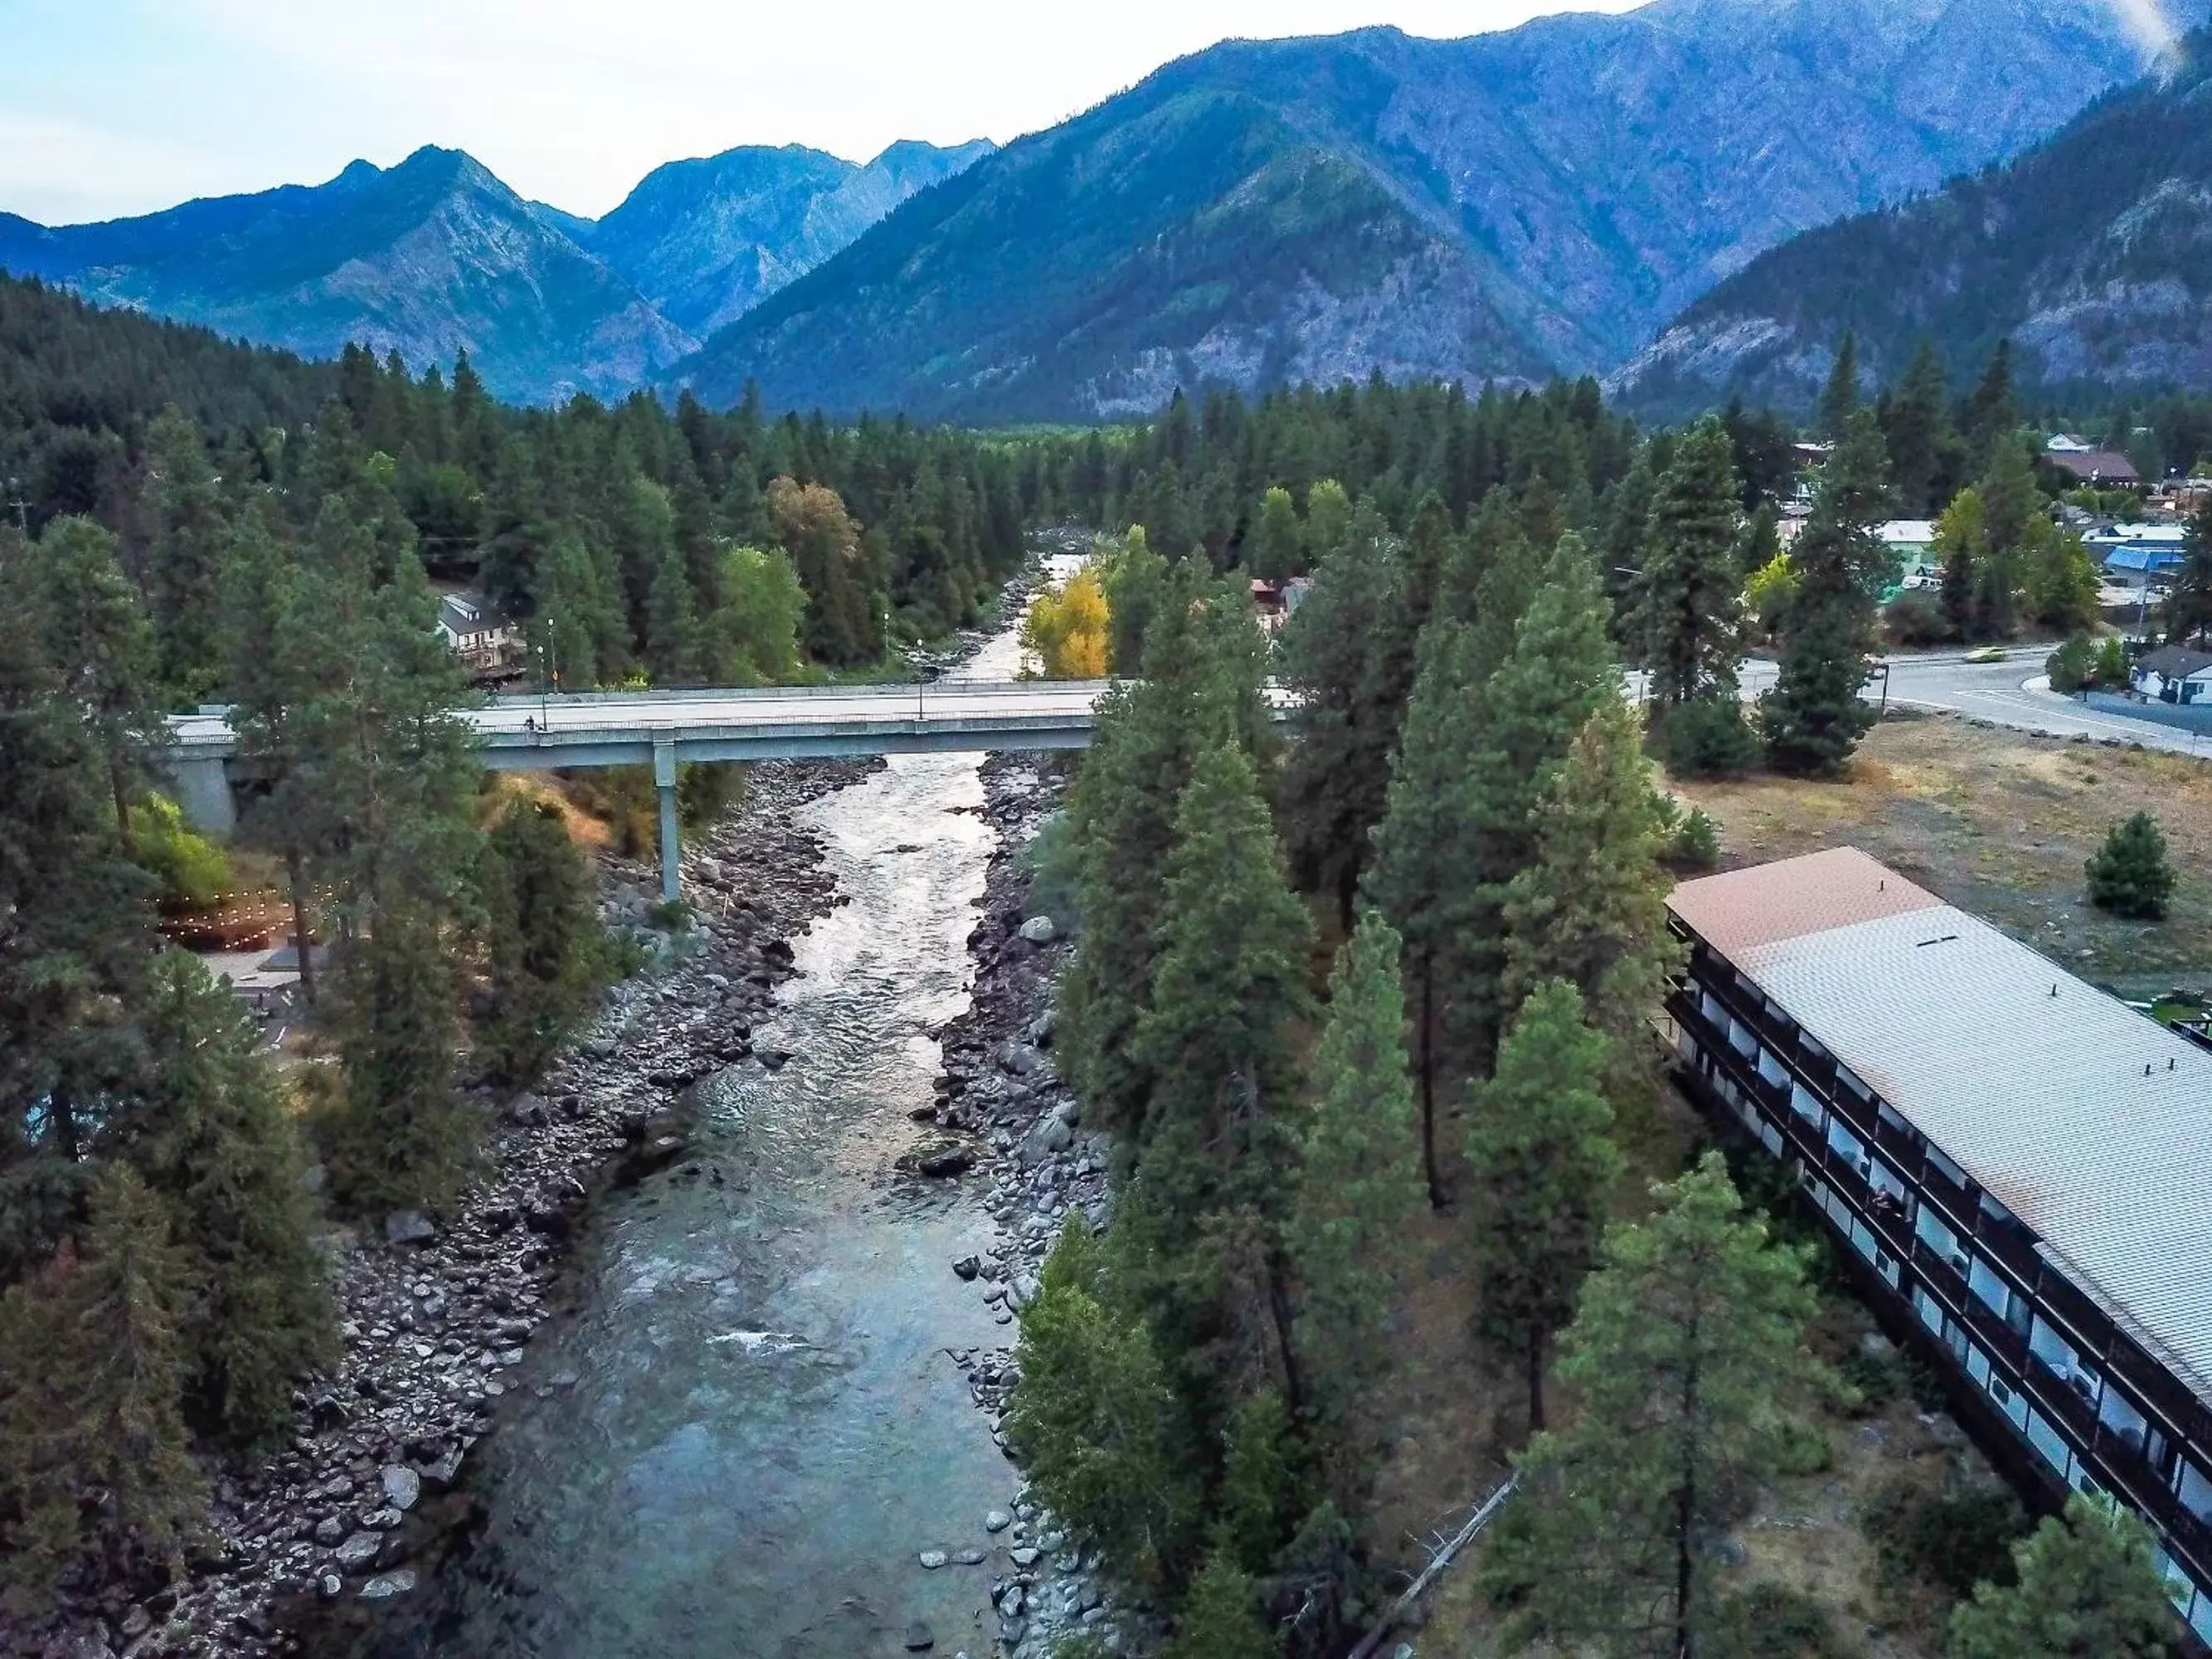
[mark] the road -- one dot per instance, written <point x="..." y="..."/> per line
<point x="2012" y="693"/>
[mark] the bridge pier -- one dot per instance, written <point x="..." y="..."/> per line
<point x="201" y="784"/>
<point x="663" y="784"/>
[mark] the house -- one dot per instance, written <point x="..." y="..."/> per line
<point x="475" y="630"/>
<point x="2135" y="554"/>
<point x="2015" y="1164"/>
<point x="1912" y="544"/>
<point x="2173" y="673"/>
<point x="2101" y="468"/>
<point x="1276" y="603"/>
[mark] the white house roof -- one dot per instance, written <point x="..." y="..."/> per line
<point x="1907" y="532"/>
<point x="2089" y="1121"/>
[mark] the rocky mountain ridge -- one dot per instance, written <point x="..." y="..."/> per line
<point x="436" y="256"/>
<point x="2092" y="253"/>
<point x="1504" y="206"/>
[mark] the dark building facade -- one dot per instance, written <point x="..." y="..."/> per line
<point x="2020" y="1166"/>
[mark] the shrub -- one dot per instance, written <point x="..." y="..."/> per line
<point x="2131" y="875"/>
<point x="192" y="869"/>
<point x="1694" y="842"/>
<point x="2073" y="666"/>
<point x="1707" y="739"/>
<point x="1948" y="1540"/>
<point x="1917" y="618"/>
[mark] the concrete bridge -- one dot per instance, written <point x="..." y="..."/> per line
<point x="664" y="729"/>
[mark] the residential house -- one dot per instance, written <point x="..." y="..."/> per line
<point x="2137" y="553"/>
<point x="2084" y="464"/>
<point x="2016" y="1166"/>
<point x="1912" y="544"/>
<point x="476" y="631"/>
<point x="2173" y="673"/>
<point x="1276" y="603"/>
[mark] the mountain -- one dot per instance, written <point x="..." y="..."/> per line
<point x="705" y="240"/>
<point x="428" y="258"/>
<point x="2092" y="253"/>
<point x="436" y="256"/>
<point x="1502" y="206"/>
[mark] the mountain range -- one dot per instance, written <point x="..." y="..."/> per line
<point x="2092" y="254"/>
<point x="436" y="256"/>
<point x="1538" y="200"/>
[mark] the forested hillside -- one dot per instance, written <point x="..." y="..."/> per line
<point x="604" y="527"/>
<point x="2091" y="254"/>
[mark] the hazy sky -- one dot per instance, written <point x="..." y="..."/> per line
<point x="117" y="106"/>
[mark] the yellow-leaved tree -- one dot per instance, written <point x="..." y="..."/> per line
<point x="1071" y="630"/>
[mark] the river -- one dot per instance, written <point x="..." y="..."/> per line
<point x="740" y="1440"/>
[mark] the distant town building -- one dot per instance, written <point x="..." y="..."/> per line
<point x="2102" y="469"/>
<point x="475" y="631"/>
<point x="2018" y="1166"/>
<point x="2174" y="674"/>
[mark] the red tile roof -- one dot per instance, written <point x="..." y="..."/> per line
<point x="1743" y="909"/>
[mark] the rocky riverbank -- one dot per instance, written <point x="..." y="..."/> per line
<point x="1024" y="1132"/>
<point x="434" y="1316"/>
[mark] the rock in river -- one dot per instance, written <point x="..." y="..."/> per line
<point x="403" y="1487"/>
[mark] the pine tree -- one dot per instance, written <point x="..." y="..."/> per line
<point x="1200" y="688"/>
<point x="397" y="1137"/>
<point x="1091" y="1412"/>
<point x="188" y="535"/>
<point x="75" y="944"/>
<point x="1990" y="416"/>
<point x="2088" y="1588"/>
<point x="1591" y="908"/>
<point x="673" y="641"/>
<point x="1349" y="653"/>
<point x="1561" y="670"/>
<point x="1420" y="878"/>
<point x="90" y="1379"/>
<point x="1814" y="717"/>
<point x="1924" y="451"/>
<point x="1688" y="601"/>
<point x="1687" y="1360"/>
<point x="2130" y="874"/>
<point x="1219" y="1619"/>
<point x="1839" y="400"/>
<point x="1544" y="1167"/>
<point x="219" y="1144"/>
<point x="2014" y="513"/>
<point x="104" y="648"/>
<point x="1359" y="1189"/>
<point x="546" y="952"/>
<point x="2189" y="603"/>
<point x="1961" y="542"/>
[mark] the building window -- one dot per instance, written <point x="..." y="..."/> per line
<point x="1770" y="1068"/>
<point x="1848" y="1081"/>
<point x="2124" y="1422"/>
<point x="1742" y="1039"/>
<point x="2059" y="1358"/>
<point x="1809" y="1045"/>
<point x="1843" y="1143"/>
<point x="1929" y="1228"/>
<point x="1944" y="1166"/>
<point x="1930" y="1309"/>
<point x="1710" y="1006"/>
<point x="2194" y="1491"/>
<point x="1997" y="1296"/>
<point x="1893" y="1118"/>
<point x="2048" y="1443"/>
<point x="1805" y="1104"/>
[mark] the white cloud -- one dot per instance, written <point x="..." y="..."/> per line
<point x="2147" y="21"/>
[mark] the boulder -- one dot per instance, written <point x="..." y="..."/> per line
<point x="403" y="1487"/>
<point x="408" y="1227"/>
<point x="1040" y="930"/>
<point x="358" y="1550"/>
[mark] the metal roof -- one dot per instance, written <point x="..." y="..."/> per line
<point x="1783" y="899"/>
<point x="2089" y="1121"/>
